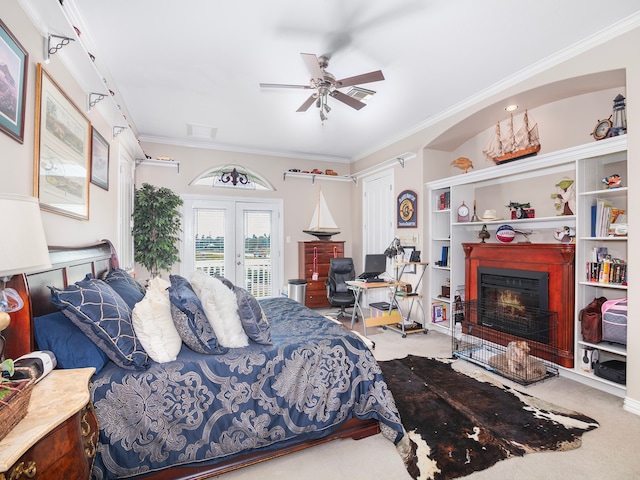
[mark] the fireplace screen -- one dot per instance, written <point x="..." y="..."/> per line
<point x="514" y="302"/>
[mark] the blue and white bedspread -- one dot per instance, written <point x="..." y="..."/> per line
<point x="315" y="376"/>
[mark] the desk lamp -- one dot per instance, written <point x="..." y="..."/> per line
<point x="23" y="249"/>
<point x="394" y="248"/>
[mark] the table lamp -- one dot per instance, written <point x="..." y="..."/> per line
<point x="23" y="249"/>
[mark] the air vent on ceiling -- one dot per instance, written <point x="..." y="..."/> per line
<point x="360" y="93"/>
<point x="201" y="131"/>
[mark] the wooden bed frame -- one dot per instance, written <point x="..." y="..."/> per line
<point x="71" y="264"/>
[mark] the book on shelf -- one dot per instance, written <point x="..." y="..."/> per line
<point x="605" y="217"/>
<point x="608" y="271"/>
<point x="444" y="201"/>
<point x="444" y="256"/>
<point x="438" y="312"/>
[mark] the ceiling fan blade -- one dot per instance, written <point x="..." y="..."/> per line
<point x="358" y="79"/>
<point x="282" y="85"/>
<point x="308" y="102"/>
<point x="313" y="64"/>
<point x="344" y="98"/>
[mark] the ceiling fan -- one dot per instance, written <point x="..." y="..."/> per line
<point x="325" y="85"/>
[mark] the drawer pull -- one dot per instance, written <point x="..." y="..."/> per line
<point x="23" y="470"/>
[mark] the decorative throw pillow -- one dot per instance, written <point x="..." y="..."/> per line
<point x="253" y="319"/>
<point x="189" y="318"/>
<point x="153" y="324"/>
<point x="125" y="285"/>
<point x="221" y="307"/>
<point x="159" y="285"/>
<point x="72" y="348"/>
<point x="103" y="316"/>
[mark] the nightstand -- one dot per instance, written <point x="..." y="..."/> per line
<point x="58" y="436"/>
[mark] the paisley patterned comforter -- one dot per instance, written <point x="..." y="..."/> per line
<point x="199" y="407"/>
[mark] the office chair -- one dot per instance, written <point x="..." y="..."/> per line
<point x="338" y="293"/>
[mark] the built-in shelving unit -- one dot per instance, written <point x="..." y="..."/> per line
<point x="532" y="180"/>
<point x="590" y="174"/>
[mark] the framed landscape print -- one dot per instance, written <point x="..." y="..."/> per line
<point x="14" y="60"/>
<point x="62" y="151"/>
<point x="99" y="160"/>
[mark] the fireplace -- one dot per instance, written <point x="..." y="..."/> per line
<point x="514" y="301"/>
<point x="524" y="291"/>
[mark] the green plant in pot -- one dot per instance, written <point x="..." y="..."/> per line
<point x="156" y="228"/>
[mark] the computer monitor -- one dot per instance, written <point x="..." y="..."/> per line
<point x="374" y="265"/>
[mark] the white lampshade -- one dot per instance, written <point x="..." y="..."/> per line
<point x="23" y="245"/>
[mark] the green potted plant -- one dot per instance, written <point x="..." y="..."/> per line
<point x="156" y="228"/>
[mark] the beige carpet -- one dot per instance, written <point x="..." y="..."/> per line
<point x="608" y="452"/>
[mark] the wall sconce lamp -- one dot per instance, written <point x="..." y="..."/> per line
<point x="23" y="249"/>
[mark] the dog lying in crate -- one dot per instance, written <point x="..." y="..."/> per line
<point x="516" y="363"/>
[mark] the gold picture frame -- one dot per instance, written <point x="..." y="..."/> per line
<point x="62" y="151"/>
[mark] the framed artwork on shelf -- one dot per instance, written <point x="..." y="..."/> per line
<point x="406" y="257"/>
<point x="62" y="151"/>
<point x="407" y="209"/>
<point x="13" y="84"/>
<point x="99" y="160"/>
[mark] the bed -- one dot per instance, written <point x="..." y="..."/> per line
<point x="206" y="414"/>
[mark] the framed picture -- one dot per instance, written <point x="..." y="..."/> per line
<point x="62" y="151"/>
<point x="407" y="209"/>
<point x="14" y="60"/>
<point x="406" y="256"/>
<point x="99" y="160"/>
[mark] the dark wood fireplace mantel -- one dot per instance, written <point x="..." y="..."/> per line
<point x="555" y="258"/>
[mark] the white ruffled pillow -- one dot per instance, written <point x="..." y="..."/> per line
<point x="153" y="324"/>
<point x="221" y="307"/>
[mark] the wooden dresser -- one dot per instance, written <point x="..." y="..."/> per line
<point x="314" y="257"/>
<point x="57" y="438"/>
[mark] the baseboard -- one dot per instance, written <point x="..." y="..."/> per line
<point x="631" y="405"/>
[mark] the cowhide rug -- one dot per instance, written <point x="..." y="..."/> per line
<point x="457" y="424"/>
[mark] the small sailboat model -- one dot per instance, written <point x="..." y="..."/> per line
<point x="323" y="226"/>
<point x="514" y="144"/>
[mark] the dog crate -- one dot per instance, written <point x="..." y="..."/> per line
<point x="514" y="341"/>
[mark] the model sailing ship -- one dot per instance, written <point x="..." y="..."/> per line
<point x="322" y="225"/>
<point x="514" y="144"/>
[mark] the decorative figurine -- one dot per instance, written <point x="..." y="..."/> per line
<point x="483" y="234"/>
<point x="565" y="234"/>
<point x="520" y="210"/>
<point x="612" y="181"/>
<point x="619" y="126"/>
<point x="565" y="197"/>
<point x="475" y="217"/>
<point x="463" y="163"/>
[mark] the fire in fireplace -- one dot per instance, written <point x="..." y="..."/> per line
<point x="514" y="301"/>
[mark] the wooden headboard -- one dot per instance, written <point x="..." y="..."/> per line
<point x="68" y="265"/>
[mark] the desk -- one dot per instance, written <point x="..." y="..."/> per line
<point x="400" y="268"/>
<point x="358" y="288"/>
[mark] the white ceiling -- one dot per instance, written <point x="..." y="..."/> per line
<point x="174" y="63"/>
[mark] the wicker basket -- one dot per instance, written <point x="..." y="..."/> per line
<point x="14" y="406"/>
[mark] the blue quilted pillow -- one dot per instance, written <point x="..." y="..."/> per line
<point x="253" y="319"/>
<point x="72" y="348"/>
<point x="189" y="317"/>
<point x="103" y="316"/>
<point x="125" y="285"/>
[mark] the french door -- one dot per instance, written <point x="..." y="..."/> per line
<point x="237" y="239"/>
